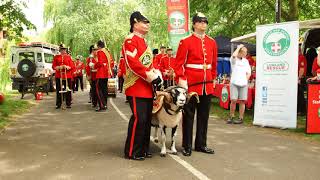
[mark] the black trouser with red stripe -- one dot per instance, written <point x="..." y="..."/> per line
<point x="102" y="92"/>
<point x="138" y="137"/>
<point x="66" y="95"/>
<point x="120" y="85"/>
<point x="203" y="109"/>
<point x="77" y="79"/>
<point x="93" y="93"/>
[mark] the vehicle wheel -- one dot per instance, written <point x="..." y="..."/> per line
<point x="26" y="68"/>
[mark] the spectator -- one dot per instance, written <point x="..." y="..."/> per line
<point x="310" y="56"/>
<point x="316" y="63"/>
<point x="240" y="74"/>
<point x="302" y="70"/>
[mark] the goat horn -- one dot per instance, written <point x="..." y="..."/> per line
<point x="193" y="94"/>
<point x="166" y="95"/>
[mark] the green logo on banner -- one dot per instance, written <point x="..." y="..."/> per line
<point x="177" y="20"/>
<point x="224" y="94"/>
<point x="276" y="42"/>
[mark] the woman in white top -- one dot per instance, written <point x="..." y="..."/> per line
<point x="240" y="74"/>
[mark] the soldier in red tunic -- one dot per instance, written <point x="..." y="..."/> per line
<point x="157" y="59"/>
<point x="63" y="65"/>
<point x="195" y="69"/>
<point x="140" y="76"/>
<point x="166" y="68"/>
<point x="104" y="71"/>
<point x="91" y="75"/>
<point x="78" y="76"/>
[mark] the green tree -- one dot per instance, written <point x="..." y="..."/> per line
<point x="80" y="24"/>
<point x="234" y="17"/>
<point x="13" y="20"/>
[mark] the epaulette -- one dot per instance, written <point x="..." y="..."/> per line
<point x="210" y="37"/>
<point x="186" y="37"/>
<point x="130" y="36"/>
<point x="180" y="42"/>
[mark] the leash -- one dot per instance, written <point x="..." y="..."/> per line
<point x="197" y="83"/>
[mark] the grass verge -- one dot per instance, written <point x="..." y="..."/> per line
<point x="12" y="106"/>
<point x="223" y="114"/>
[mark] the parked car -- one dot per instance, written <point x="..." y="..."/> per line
<point x="31" y="67"/>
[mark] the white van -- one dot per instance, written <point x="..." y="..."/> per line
<point x="31" y="67"/>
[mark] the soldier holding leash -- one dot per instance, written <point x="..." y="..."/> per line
<point x="63" y="65"/>
<point x="140" y="76"/>
<point x="195" y="70"/>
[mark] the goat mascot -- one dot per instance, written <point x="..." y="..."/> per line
<point x="167" y="112"/>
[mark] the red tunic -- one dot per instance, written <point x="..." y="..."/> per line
<point x="167" y="63"/>
<point x="122" y="68"/>
<point x="79" y="66"/>
<point x="102" y="66"/>
<point x="157" y="61"/>
<point x="252" y="62"/>
<point x="134" y="47"/>
<point x="196" y="62"/>
<point x="91" y="72"/>
<point x="59" y="60"/>
<point x="302" y="63"/>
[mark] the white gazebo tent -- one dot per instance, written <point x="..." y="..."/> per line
<point x="308" y="24"/>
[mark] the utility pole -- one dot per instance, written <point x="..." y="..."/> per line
<point x="278" y="11"/>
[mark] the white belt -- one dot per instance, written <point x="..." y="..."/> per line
<point x="199" y="66"/>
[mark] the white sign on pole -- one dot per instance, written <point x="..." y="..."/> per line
<point x="277" y="75"/>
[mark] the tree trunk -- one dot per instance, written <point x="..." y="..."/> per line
<point x="293" y="10"/>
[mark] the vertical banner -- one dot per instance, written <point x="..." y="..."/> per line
<point x="178" y="21"/>
<point x="313" y="113"/>
<point x="277" y="75"/>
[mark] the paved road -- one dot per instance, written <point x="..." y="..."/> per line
<point x="81" y="144"/>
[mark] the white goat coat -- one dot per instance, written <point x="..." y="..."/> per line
<point x="168" y="120"/>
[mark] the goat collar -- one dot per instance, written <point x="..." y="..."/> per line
<point x="167" y="108"/>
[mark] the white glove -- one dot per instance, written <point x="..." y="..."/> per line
<point x="183" y="83"/>
<point x="157" y="72"/>
<point x="151" y="75"/>
<point x="91" y="64"/>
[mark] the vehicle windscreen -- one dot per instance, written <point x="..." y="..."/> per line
<point x="48" y="58"/>
<point x="27" y="55"/>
